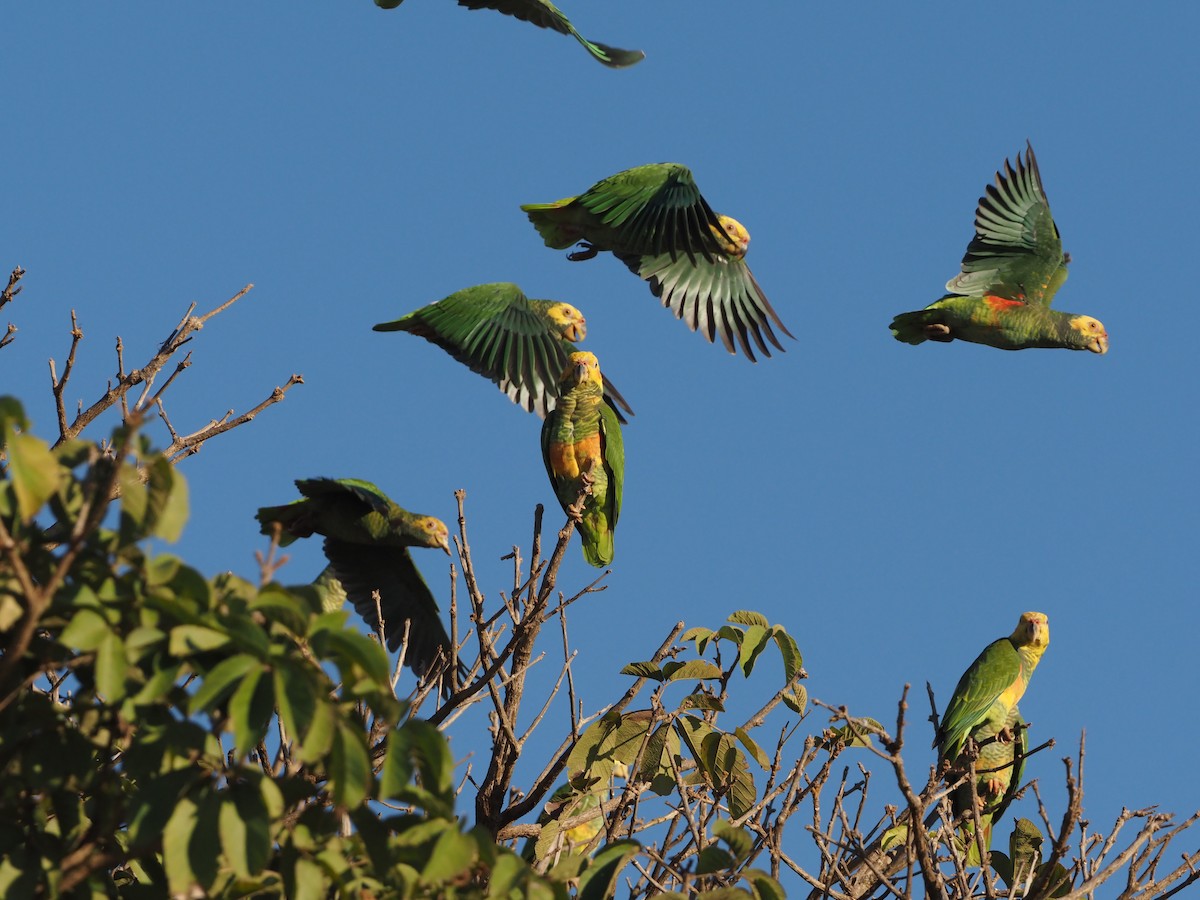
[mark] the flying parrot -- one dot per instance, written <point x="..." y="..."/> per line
<point x="545" y="14"/>
<point x="1011" y="271"/>
<point x="581" y="444"/>
<point x="520" y="344"/>
<point x="367" y="541"/>
<point x="984" y="710"/>
<point x="653" y="219"/>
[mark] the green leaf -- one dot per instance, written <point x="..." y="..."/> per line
<point x="749" y="617"/>
<point x="310" y="880"/>
<point x="599" y="881"/>
<point x="433" y="759"/>
<point x="188" y="842"/>
<point x="111" y="667"/>
<point x="34" y="472"/>
<point x="797" y="699"/>
<point x="397" y="771"/>
<point x="650" y="670"/>
<point x="740" y="842"/>
<point x="133" y="498"/>
<point x="713" y="859"/>
<point x="859" y="734"/>
<point x="167" y="497"/>
<point x="11" y="413"/>
<point x="86" y="631"/>
<point x="793" y="662"/>
<point x="318" y="739"/>
<point x="895" y="836"/>
<point x="701" y="700"/>
<point x="700" y="635"/>
<point x="250" y="710"/>
<point x="221" y="680"/>
<point x="244" y="825"/>
<point x="349" y="766"/>
<point x="752" y="645"/>
<point x="765" y="887"/>
<point x="756" y="752"/>
<point x="187" y="640"/>
<point x="296" y="694"/>
<point x="453" y="855"/>
<point x="692" y="670"/>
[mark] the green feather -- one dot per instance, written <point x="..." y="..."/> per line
<point x="545" y="14"/>
<point x="499" y="333"/>
<point x="654" y="219"/>
<point x="367" y="537"/>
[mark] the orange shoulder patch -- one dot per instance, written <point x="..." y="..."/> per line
<point x="1001" y="303"/>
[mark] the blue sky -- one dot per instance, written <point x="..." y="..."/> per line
<point x="894" y="507"/>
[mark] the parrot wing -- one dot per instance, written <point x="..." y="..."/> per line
<point x="994" y="671"/>
<point x="654" y="210"/>
<point x="499" y="333"/>
<point x="403" y="596"/>
<point x="714" y="296"/>
<point x="1016" y="252"/>
<point x="545" y="14"/>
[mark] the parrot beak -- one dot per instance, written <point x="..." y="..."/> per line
<point x="1099" y="345"/>
<point x="581" y="371"/>
<point x="445" y="545"/>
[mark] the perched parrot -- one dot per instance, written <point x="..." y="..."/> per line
<point x="581" y="443"/>
<point x="367" y="537"/>
<point x="1010" y="274"/>
<point x="567" y="802"/>
<point x="654" y="220"/>
<point x="984" y="709"/>
<point x="545" y="14"/>
<point x="520" y="344"/>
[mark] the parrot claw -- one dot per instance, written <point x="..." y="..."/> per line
<point x="586" y="251"/>
<point x="938" y="332"/>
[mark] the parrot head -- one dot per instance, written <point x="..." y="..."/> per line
<point x="435" y="531"/>
<point x="570" y="321"/>
<point x="583" y="367"/>
<point x="1033" y="630"/>
<point x="732" y="236"/>
<point x="1092" y="335"/>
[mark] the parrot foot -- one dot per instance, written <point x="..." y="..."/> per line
<point x="586" y="251"/>
<point x="938" y="332"/>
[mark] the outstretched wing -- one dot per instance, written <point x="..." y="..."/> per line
<point x="403" y="597"/>
<point x="499" y="333"/>
<point x="546" y="15"/>
<point x="1016" y="251"/>
<point x="656" y="210"/>
<point x="715" y="297"/>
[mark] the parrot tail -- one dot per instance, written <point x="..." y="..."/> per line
<point x="551" y="225"/>
<point x="909" y="327"/>
<point x="597" y="542"/>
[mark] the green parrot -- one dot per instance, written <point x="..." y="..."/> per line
<point x="520" y="344"/>
<point x="545" y="14"/>
<point x="654" y="219"/>
<point x="984" y="710"/>
<point x="367" y="537"/>
<point x="1011" y="271"/>
<point x="581" y="443"/>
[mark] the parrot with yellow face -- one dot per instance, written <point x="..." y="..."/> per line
<point x="1011" y="271"/>
<point x="582" y="446"/>
<point x="521" y="345"/>
<point x="654" y="219"/>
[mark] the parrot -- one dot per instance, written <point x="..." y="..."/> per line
<point x="545" y="14"/>
<point x="520" y="344"/>
<point x="367" y="541"/>
<point x="581" y="444"/>
<point x="654" y="220"/>
<point x="1010" y="273"/>
<point x="984" y="710"/>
